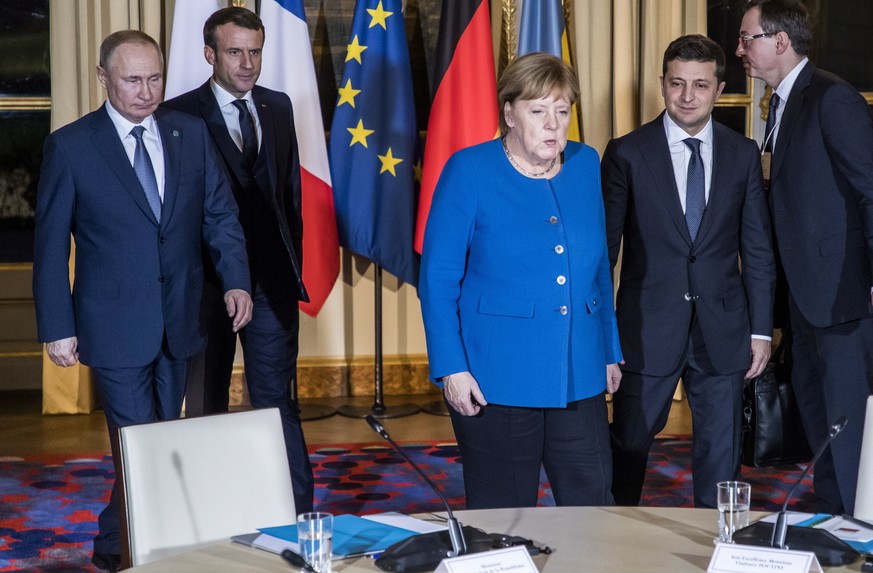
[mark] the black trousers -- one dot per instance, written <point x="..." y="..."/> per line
<point x="503" y="448"/>
<point x="832" y="375"/>
<point x="641" y="408"/>
<point x="269" y="345"/>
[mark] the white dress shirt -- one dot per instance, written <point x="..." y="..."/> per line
<point x="681" y="155"/>
<point x="151" y="138"/>
<point x="783" y="90"/>
<point x="231" y="114"/>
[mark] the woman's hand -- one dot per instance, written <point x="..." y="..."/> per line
<point x="613" y="378"/>
<point x="463" y="393"/>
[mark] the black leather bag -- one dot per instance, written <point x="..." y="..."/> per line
<point x="772" y="432"/>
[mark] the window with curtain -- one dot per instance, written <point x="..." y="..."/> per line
<point x="25" y="113"/>
<point x="840" y="32"/>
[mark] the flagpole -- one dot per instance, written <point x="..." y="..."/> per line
<point x="378" y="409"/>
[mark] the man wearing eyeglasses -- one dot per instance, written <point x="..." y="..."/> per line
<point x="819" y="143"/>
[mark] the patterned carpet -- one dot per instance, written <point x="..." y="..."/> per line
<point x="49" y="504"/>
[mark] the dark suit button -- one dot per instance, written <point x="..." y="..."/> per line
<point x="161" y="279"/>
<point x="163" y="240"/>
<point x="692" y="259"/>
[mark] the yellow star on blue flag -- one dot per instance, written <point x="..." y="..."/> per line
<point x="374" y="142"/>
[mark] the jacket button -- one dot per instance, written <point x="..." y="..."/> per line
<point x="161" y="279"/>
<point x="553" y="220"/>
<point x="688" y="296"/>
<point x="163" y="240"/>
<point x="561" y="279"/>
<point x="559" y="249"/>
<point x="563" y="310"/>
<point x="692" y="259"/>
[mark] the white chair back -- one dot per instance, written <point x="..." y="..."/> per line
<point x="196" y="481"/>
<point x="864" y="493"/>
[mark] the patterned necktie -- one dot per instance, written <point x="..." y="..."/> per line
<point x="695" y="189"/>
<point x="145" y="172"/>
<point x="771" y="122"/>
<point x="249" y="134"/>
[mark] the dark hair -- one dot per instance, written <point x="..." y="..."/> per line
<point x="242" y="17"/>
<point x="695" y="47"/>
<point x="533" y="76"/>
<point x="115" y="39"/>
<point x="789" y="16"/>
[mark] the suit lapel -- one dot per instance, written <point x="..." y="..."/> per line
<point x="105" y="138"/>
<point x="789" y="117"/>
<point x="268" y="133"/>
<point x="656" y="153"/>
<point x="723" y="158"/>
<point x="171" y="140"/>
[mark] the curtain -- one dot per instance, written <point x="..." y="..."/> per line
<point x="619" y="46"/>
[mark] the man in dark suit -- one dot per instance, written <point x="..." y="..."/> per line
<point x="253" y="129"/>
<point x="139" y="189"/>
<point x="686" y="194"/>
<point x="821" y="203"/>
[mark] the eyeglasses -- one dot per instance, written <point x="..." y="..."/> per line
<point x="747" y="39"/>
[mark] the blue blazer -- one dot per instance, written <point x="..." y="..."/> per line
<point x="135" y="279"/>
<point x="515" y="282"/>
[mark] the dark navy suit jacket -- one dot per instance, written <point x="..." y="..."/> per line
<point x="282" y="186"/>
<point x="135" y="279"/>
<point x="661" y="269"/>
<point x="822" y="198"/>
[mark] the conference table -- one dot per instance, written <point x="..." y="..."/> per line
<point x="589" y="539"/>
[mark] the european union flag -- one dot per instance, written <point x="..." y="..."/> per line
<point x="373" y="142"/>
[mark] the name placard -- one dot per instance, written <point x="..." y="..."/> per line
<point x="731" y="558"/>
<point x="512" y="560"/>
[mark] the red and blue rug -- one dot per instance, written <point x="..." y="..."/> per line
<point x="49" y="504"/>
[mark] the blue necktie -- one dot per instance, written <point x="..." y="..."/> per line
<point x="771" y="122"/>
<point x="695" y="189"/>
<point x="249" y="135"/>
<point x="145" y="172"/>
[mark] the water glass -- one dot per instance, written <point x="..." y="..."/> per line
<point x="315" y="535"/>
<point x="733" y="508"/>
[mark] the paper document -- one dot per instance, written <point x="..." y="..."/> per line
<point x="856" y="533"/>
<point x="794" y="517"/>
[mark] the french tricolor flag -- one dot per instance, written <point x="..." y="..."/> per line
<point x="288" y="67"/>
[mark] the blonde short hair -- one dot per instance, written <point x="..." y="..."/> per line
<point x="533" y="76"/>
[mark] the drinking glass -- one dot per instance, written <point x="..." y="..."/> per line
<point x="315" y="535"/>
<point x="733" y="508"/>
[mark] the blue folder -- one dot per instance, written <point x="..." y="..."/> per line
<point x="352" y="535"/>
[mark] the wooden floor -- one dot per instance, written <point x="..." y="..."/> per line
<point x="25" y="431"/>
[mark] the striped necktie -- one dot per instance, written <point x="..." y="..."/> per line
<point x="695" y="189"/>
<point x="145" y="172"/>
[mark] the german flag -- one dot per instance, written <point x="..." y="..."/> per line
<point x="464" y="110"/>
